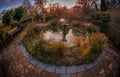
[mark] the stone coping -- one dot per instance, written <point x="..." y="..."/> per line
<point x="59" y="69"/>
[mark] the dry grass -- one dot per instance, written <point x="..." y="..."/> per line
<point x="85" y="50"/>
<point x="79" y="41"/>
<point x="82" y="51"/>
<point x="83" y="47"/>
<point x="57" y="49"/>
<point x="98" y="41"/>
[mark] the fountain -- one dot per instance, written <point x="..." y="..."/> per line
<point x="62" y="44"/>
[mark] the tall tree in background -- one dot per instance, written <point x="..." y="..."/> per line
<point x="7" y="17"/>
<point x="19" y="12"/>
<point x="103" y="6"/>
<point x="41" y="4"/>
<point x="94" y="2"/>
<point x="84" y="3"/>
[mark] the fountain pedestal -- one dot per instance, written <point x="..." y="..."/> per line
<point x="64" y="33"/>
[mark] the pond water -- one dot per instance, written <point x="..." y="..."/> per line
<point x="52" y="37"/>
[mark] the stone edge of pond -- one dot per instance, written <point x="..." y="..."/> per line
<point x="59" y="69"/>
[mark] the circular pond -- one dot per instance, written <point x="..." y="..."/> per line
<point x="63" y="44"/>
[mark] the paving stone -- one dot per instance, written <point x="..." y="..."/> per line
<point x="60" y="69"/>
<point x="81" y="68"/>
<point x="110" y="66"/>
<point x="47" y="74"/>
<point x="88" y="66"/>
<point x="29" y="57"/>
<point x="74" y="75"/>
<point x="34" y="61"/>
<point x="41" y="66"/>
<point x="71" y="69"/>
<point x="65" y="75"/>
<point x="24" y="51"/>
<point x="80" y="74"/>
<point x="50" y="68"/>
<point x="102" y="71"/>
<point x="19" y="46"/>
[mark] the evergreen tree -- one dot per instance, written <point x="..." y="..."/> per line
<point x="103" y="5"/>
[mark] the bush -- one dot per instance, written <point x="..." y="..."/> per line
<point x="57" y="49"/>
<point x="92" y="28"/>
<point x="98" y="42"/>
<point x="100" y="16"/>
<point x="50" y="17"/>
<point x="113" y="31"/>
<point x="54" y="26"/>
<point x="83" y="47"/>
<point x="84" y="50"/>
<point x="79" y="40"/>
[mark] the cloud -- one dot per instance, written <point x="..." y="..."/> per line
<point x="7" y="0"/>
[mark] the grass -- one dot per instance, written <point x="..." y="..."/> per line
<point x="57" y="49"/>
<point x="98" y="42"/>
<point x="83" y="47"/>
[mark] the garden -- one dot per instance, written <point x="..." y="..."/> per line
<point x="60" y="43"/>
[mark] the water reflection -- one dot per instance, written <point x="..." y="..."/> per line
<point x="51" y="37"/>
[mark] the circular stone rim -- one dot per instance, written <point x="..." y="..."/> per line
<point x="59" y="69"/>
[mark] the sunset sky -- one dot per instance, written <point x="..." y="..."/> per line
<point x="7" y="4"/>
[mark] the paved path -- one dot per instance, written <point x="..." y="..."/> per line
<point x="18" y="65"/>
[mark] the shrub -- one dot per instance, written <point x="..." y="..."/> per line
<point x="100" y="16"/>
<point x="29" y="29"/>
<point x="114" y="28"/>
<point x="53" y="26"/>
<point x="79" y="41"/>
<point x="57" y="49"/>
<point x="92" y="28"/>
<point x="83" y="48"/>
<point x="76" y="23"/>
<point x="98" y="42"/>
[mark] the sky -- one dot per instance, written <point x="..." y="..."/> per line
<point x="7" y="4"/>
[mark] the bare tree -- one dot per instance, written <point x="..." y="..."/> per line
<point x="40" y="3"/>
<point x="84" y="3"/>
<point x="94" y="2"/>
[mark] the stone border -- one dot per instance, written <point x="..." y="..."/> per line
<point x="59" y="69"/>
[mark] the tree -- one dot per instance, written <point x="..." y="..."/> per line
<point x="41" y="3"/>
<point x="84" y="3"/>
<point x="103" y="6"/>
<point x="7" y="17"/>
<point x="19" y="12"/>
<point x="94" y="2"/>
